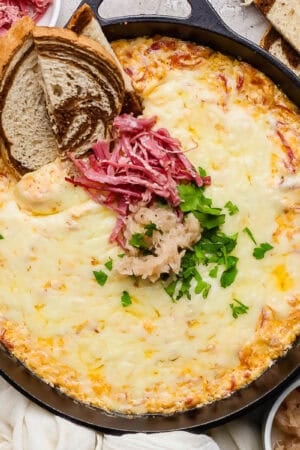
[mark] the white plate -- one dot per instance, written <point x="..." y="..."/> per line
<point x="50" y="17"/>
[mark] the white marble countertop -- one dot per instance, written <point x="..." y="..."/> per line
<point x="246" y="21"/>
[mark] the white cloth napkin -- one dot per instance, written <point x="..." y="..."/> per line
<point x="26" y="426"/>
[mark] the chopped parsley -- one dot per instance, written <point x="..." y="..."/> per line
<point x="100" y="277"/>
<point x="170" y="289"/>
<point x="259" y="252"/>
<point x="214" y="247"/>
<point x="138" y="241"/>
<point x="1" y="237"/>
<point x="202" y="287"/>
<point x="109" y="264"/>
<point x="238" y="308"/>
<point x="121" y="255"/>
<point x="193" y="200"/>
<point x="213" y="273"/>
<point x="150" y="227"/>
<point x="202" y="172"/>
<point x="247" y="231"/>
<point x="125" y="299"/>
<point x="232" y="209"/>
<point x="230" y="273"/>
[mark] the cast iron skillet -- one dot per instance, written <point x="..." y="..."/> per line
<point x="203" y="27"/>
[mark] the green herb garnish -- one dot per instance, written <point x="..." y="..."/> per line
<point x="238" y="308"/>
<point x="201" y="286"/>
<point x="170" y="289"/>
<point x="229" y="275"/>
<point x="214" y="247"/>
<point x="259" y="252"/>
<point x="208" y="221"/>
<point x="121" y="255"/>
<point x="232" y="209"/>
<point x="202" y="172"/>
<point x="126" y="299"/>
<point x="109" y="264"/>
<point x="246" y="230"/>
<point x="101" y="277"/>
<point x="193" y="199"/>
<point x="213" y="273"/>
<point x="1" y="237"/>
<point x="150" y="227"/>
<point x="138" y="241"/>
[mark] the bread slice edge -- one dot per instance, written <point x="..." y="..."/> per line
<point x="84" y="23"/>
<point x="273" y="42"/>
<point x="13" y="45"/>
<point x="284" y="15"/>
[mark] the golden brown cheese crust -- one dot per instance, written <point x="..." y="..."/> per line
<point x="272" y="339"/>
<point x="148" y="61"/>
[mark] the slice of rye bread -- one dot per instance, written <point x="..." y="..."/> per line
<point x="83" y="86"/>
<point x="83" y="22"/>
<point x="26" y="139"/>
<point x="284" y="15"/>
<point x="281" y="49"/>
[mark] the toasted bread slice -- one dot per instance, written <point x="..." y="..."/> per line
<point x="26" y="139"/>
<point x="83" y="86"/>
<point x="281" y="49"/>
<point x="84" y="22"/>
<point x="284" y="15"/>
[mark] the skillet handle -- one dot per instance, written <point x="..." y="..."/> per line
<point x="202" y="15"/>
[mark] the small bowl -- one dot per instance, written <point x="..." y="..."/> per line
<point x="49" y="19"/>
<point x="270" y="431"/>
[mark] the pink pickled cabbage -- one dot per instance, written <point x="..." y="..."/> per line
<point x="12" y="10"/>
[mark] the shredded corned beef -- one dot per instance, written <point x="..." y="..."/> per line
<point x="139" y="165"/>
<point x="12" y="10"/>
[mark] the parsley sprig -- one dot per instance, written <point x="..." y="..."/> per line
<point x="126" y="299"/>
<point x="150" y="228"/>
<point x="141" y="240"/>
<point x="100" y="277"/>
<point x="259" y="251"/>
<point x="214" y="247"/>
<point x="137" y="240"/>
<point x="232" y="209"/>
<point x="238" y="308"/>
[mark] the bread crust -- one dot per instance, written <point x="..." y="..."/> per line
<point x="264" y="5"/>
<point x="271" y="36"/>
<point x="12" y="42"/>
<point x="80" y="19"/>
<point x="82" y="42"/>
<point x="284" y="16"/>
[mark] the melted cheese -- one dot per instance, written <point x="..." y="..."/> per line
<point x="154" y="355"/>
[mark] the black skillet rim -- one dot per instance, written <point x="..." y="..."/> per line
<point x="221" y="411"/>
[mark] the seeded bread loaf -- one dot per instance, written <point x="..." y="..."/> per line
<point x="26" y="139"/>
<point x="84" y="22"/>
<point x="83" y="87"/>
